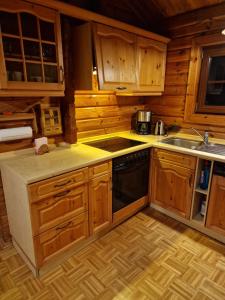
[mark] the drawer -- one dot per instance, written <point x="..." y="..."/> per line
<point x="45" y="188"/>
<point x="100" y="169"/>
<point x="56" y="209"/>
<point x="179" y="159"/>
<point x="60" y="238"/>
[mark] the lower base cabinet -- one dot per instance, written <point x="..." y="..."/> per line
<point x="216" y="207"/>
<point x="100" y="202"/>
<point x="171" y="183"/>
<point x="59" y="238"/>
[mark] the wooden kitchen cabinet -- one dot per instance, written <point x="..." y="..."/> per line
<point x="31" y="61"/>
<point x="151" y="63"/>
<point x="116" y="58"/>
<point x="171" y="184"/>
<point x="60" y="238"/>
<point x="100" y="202"/>
<point x="215" y="218"/>
<point x="124" y="62"/>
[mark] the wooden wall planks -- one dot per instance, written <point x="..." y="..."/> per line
<point x="170" y="107"/>
<point x="98" y="114"/>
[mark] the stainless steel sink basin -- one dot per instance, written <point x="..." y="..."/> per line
<point x="195" y="145"/>
<point x="190" y="144"/>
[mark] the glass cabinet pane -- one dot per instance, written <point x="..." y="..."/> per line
<point x="9" y="23"/>
<point x="215" y="94"/>
<point x="51" y="74"/>
<point x="48" y="52"/>
<point x="31" y="50"/>
<point x="217" y="68"/>
<point x="29" y="25"/>
<point x="34" y="72"/>
<point x="47" y="31"/>
<point x="12" y="47"/>
<point x="14" y="71"/>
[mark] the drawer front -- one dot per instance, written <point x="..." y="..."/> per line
<point x="45" y="188"/>
<point x="100" y="169"/>
<point x="56" y="209"/>
<point x="60" y="238"/>
<point x="179" y="159"/>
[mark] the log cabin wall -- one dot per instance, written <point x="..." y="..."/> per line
<point x="170" y="107"/>
<point x="102" y="113"/>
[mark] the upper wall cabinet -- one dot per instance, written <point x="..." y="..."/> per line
<point x="116" y="58"/>
<point x="151" y="61"/>
<point x="30" y="50"/>
<point x="125" y="62"/>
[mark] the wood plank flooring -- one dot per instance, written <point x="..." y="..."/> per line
<point x="150" y="256"/>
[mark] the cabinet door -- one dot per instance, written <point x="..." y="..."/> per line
<point x="58" y="208"/>
<point x="151" y="60"/>
<point x="215" y="219"/>
<point x="100" y="203"/>
<point x="60" y="238"/>
<point x="31" y="49"/>
<point x="171" y="187"/>
<point x="116" y="58"/>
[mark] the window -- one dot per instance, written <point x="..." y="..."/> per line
<point x="211" y="88"/>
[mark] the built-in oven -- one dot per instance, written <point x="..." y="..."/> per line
<point x="130" y="180"/>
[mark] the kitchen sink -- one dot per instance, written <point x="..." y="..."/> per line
<point x="184" y="143"/>
<point x="195" y="145"/>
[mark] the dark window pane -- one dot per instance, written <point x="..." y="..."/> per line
<point x="12" y="47"/>
<point x="14" y="71"/>
<point x="48" y="52"/>
<point x="47" y="31"/>
<point x="217" y="68"/>
<point x="51" y="74"/>
<point x="9" y="23"/>
<point x="31" y="50"/>
<point x="29" y="25"/>
<point x="34" y="72"/>
<point x="215" y="94"/>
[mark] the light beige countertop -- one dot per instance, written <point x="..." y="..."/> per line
<point x="32" y="168"/>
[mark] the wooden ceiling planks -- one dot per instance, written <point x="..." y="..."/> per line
<point x="172" y="8"/>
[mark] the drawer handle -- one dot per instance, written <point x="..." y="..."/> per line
<point x="121" y="88"/>
<point x="64" y="183"/>
<point x="65" y="226"/>
<point x="62" y="194"/>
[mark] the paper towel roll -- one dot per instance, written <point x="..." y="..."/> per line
<point x="17" y="133"/>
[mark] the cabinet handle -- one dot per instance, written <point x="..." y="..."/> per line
<point x="65" y="226"/>
<point x="62" y="77"/>
<point x="62" y="184"/>
<point x="62" y="194"/>
<point x="121" y="88"/>
<point x="190" y="180"/>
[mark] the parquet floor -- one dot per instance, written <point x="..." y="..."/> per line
<point x="150" y="256"/>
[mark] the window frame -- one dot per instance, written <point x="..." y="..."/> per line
<point x="190" y="114"/>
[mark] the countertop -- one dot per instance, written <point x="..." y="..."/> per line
<point x="32" y="168"/>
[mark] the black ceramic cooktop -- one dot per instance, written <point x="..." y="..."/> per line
<point x="114" y="144"/>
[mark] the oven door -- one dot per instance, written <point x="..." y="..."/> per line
<point x="130" y="183"/>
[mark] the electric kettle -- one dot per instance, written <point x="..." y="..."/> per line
<point x="160" y="128"/>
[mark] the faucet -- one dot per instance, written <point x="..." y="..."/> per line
<point x="204" y="137"/>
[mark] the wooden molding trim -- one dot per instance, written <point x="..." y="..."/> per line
<point x="83" y="14"/>
<point x="190" y="115"/>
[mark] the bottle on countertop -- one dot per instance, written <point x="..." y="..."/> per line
<point x="204" y="176"/>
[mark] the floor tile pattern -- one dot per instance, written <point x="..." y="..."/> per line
<point x="150" y="256"/>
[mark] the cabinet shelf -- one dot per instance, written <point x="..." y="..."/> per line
<point x="198" y="218"/>
<point x="201" y="191"/>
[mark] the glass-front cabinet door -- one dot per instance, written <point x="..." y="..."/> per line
<point x="30" y="49"/>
